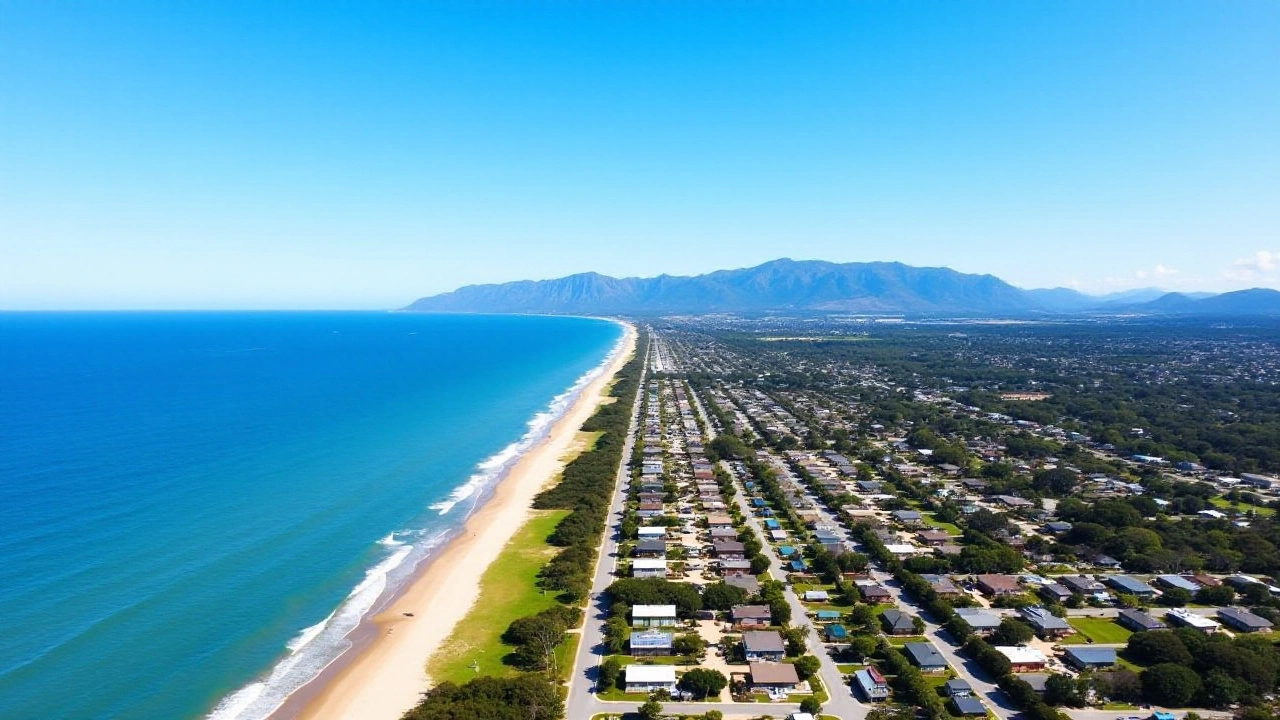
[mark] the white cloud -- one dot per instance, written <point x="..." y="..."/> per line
<point x="1156" y="273"/>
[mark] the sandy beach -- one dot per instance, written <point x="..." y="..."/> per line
<point x="386" y="676"/>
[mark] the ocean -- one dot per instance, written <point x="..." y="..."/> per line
<point x="196" y="507"/>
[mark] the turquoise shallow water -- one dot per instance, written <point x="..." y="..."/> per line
<point x="183" y="495"/>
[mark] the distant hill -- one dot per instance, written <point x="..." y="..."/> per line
<point x="780" y="285"/>
<point x="824" y="287"/>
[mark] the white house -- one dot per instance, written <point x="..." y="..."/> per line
<point x="649" y="568"/>
<point x="653" y="615"/>
<point x="650" y="678"/>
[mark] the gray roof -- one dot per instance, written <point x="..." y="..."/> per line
<point x="1127" y="584"/>
<point x="969" y="706"/>
<point x="958" y="685"/>
<point x="1241" y="618"/>
<point x="763" y="641"/>
<point x="1092" y="655"/>
<point x="925" y="654"/>
<point x="1141" y="619"/>
<point x="979" y="619"/>
<point x="898" y="619"/>
<point x="1042" y="619"/>
<point x="1178" y="581"/>
<point x="651" y="640"/>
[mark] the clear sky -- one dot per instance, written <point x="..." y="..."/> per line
<point x="358" y="154"/>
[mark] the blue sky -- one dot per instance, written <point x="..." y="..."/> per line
<point x="358" y="154"/>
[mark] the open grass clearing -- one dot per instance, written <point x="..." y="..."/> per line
<point x="508" y="590"/>
<point x="1099" y="630"/>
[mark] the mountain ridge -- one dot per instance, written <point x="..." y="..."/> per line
<point x="818" y="286"/>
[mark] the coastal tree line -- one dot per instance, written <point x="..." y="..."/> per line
<point x="584" y="490"/>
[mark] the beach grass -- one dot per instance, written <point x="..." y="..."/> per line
<point x="508" y="590"/>
<point x="1099" y="630"/>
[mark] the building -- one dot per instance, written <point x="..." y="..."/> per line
<point x="654" y="615"/>
<point x="957" y="687"/>
<point x="1055" y="593"/>
<point x="933" y="537"/>
<point x="766" y="645"/>
<point x="773" y="678"/>
<point x="1186" y="618"/>
<point x="873" y="592"/>
<point x="729" y="550"/>
<point x="1037" y="681"/>
<point x="1046" y="624"/>
<point x="1138" y="621"/>
<point x="925" y="656"/>
<point x="1082" y="584"/>
<point x="650" y="643"/>
<point x="648" y="568"/>
<point x="736" y="568"/>
<point x="816" y="596"/>
<point x="747" y="582"/>
<point x="872" y="684"/>
<point x="1131" y="586"/>
<point x="997" y="585"/>
<point x="910" y="518"/>
<point x="751" y="616"/>
<point x="943" y="586"/>
<point x="1177" y="581"/>
<point x="980" y="621"/>
<point x="1082" y="657"/>
<point x="896" y="622"/>
<point x="1242" y="620"/>
<point x="650" y="678"/>
<point x="1023" y="659"/>
<point x="969" y="706"/>
<point x="651" y="548"/>
<point x="835" y="633"/>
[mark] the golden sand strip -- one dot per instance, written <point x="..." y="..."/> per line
<point x="387" y="676"/>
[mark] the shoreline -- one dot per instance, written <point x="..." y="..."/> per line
<point x="383" y="674"/>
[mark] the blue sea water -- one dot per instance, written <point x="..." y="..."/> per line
<point x="196" y="507"/>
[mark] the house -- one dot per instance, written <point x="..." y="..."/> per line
<point x="873" y="592"/>
<point x="1177" y="581"/>
<point x="910" y="518"/>
<point x="748" y="616"/>
<point x="943" y="586"/>
<point x="798" y="566"/>
<point x="873" y="685"/>
<point x="736" y="568"/>
<point x="1138" y="621"/>
<point x="1054" y="593"/>
<point x="896" y="622"/>
<point x="1046" y="624"/>
<point x="1082" y="657"/>
<point x="723" y="533"/>
<point x="650" y="548"/>
<point x="763" y="645"/>
<point x="816" y="596"/>
<point x="1081" y="584"/>
<point x="1023" y="659"/>
<point x="1183" y="617"/>
<point x="827" y="616"/>
<point x="1014" y="503"/>
<point x="980" y="621"/>
<point x="997" y="585"/>
<point x="647" y="533"/>
<point x="835" y="633"/>
<point x="719" y="521"/>
<point x="650" y="678"/>
<point x="970" y="706"/>
<point x="933" y="537"/>
<point x="925" y="656"/>
<point x="653" y="615"/>
<point x="649" y="509"/>
<point x="1057" y="526"/>
<point x="1131" y="586"/>
<point x="773" y="678"/>
<point x="650" y="643"/>
<point x="1037" y="681"/>
<point x="744" y="581"/>
<point x="729" y="550"/>
<point x="1242" y="620"/>
<point x="1106" y="561"/>
<point x="648" y="568"/>
<point x="957" y="687"/>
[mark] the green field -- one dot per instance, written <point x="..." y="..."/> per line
<point x="1099" y="630"/>
<point x="950" y="528"/>
<point x="1225" y="504"/>
<point x="508" y="590"/>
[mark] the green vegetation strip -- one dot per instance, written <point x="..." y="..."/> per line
<point x="1099" y="630"/>
<point x="508" y="590"/>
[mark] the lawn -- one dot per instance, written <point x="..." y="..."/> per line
<point x="1099" y="630"/>
<point x="951" y="528"/>
<point x="1225" y="504"/>
<point x="508" y="590"/>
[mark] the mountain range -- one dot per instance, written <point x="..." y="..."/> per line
<point x="815" y="286"/>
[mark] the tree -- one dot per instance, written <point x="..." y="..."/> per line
<point x="1175" y="597"/>
<point x="1012" y="632"/>
<point x="807" y="666"/>
<point x="651" y="710"/>
<point x="1062" y="690"/>
<point x="810" y="705"/>
<point x="608" y="674"/>
<point x="860" y="647"/>
<point x="1154" y="647"/>
<point x="703" y="682"/>
<point x="723" y="596"/>
<point x="1057" y="482"/>
<point x="1220" y="595"/>
<point x="519" y="698"/>
<point x="1169" y="684"/>
<point x="690" y="644"/>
